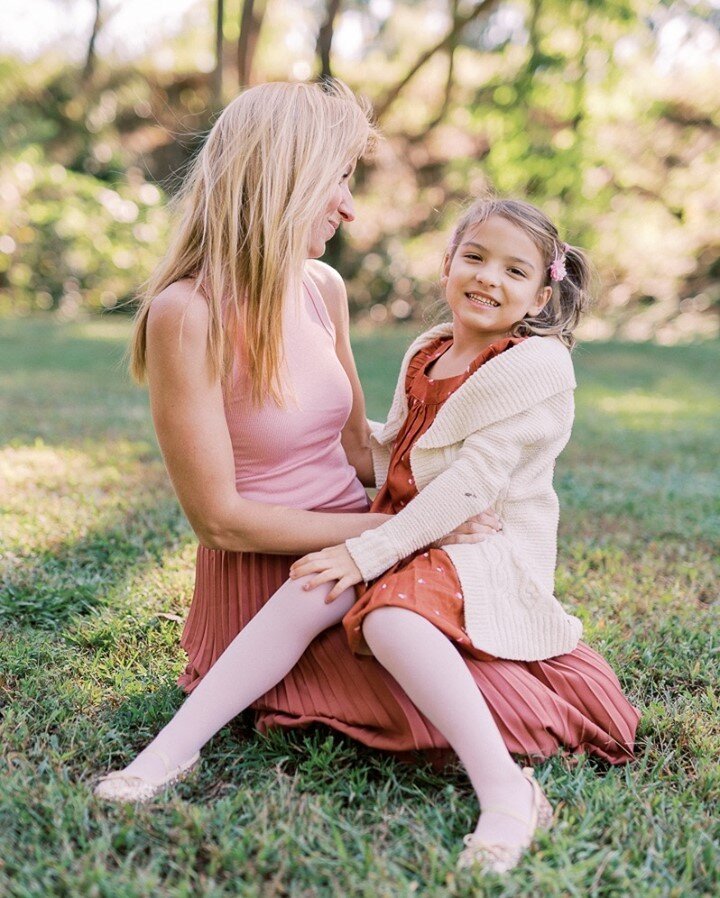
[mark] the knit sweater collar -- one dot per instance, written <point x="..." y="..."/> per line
<point x="512" y="382"/>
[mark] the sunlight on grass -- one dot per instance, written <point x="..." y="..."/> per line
<point x="637" y="403"/>
<point x="50" y="494"/>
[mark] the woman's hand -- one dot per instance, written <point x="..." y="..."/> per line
<point x="334" y="563"/>
<point x="474" y="530"/>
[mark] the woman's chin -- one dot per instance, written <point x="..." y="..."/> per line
<point x="316" y="250"/>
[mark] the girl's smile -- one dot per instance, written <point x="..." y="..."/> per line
<point x="493" y="280"/>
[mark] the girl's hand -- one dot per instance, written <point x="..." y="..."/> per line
<point x="334" y="563"/>
<point x="474" y="530"/>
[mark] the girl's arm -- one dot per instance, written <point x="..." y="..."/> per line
<point x="188" y="412"/>
<point x="356" y="433"/>
<point x="469" y="485"/>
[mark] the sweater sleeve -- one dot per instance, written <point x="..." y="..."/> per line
<point x="469" y="486"/>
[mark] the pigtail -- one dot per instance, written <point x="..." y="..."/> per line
<point x="570" y="297"/>
<point x="574" y="292"/>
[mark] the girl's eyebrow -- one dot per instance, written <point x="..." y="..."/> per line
<point x="509" y="258"/>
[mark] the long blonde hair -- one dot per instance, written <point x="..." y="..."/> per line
<point x="246" y="210"/>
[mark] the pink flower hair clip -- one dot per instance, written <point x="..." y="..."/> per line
<point x="557" y="268"/>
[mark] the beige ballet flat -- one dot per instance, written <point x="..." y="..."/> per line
<point x="492" y="858"/>
<point x="121" y="787"/>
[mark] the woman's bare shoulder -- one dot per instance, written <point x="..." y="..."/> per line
<point x="331" y="287"/>
<point x="179" y="307"/>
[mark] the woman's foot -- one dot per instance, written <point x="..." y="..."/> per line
<point x="150" y="773"/>
<point x="506" y="827"/>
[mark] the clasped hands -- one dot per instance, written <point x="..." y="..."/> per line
<point x="336" y="563"/>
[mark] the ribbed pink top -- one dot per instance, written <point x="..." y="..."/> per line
<point x="293" y="456"/>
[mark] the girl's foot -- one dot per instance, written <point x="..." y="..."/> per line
<point x="505" y="830"/>
<point x="150" y="773"/>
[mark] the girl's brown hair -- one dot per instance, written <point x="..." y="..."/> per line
<point x="570" y="295"/>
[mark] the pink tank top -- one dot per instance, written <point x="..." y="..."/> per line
<point x="293" y="456"/>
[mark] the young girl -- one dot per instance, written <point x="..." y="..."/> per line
<point x="471" y="632"/>
<point x="482" y="409"/>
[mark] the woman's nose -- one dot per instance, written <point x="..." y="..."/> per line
<point x="347" y="207"/>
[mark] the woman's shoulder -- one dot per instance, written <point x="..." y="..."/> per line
<point x="331" y="288"/>
<point x="180" y="305"/>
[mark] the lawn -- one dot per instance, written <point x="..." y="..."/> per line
<point x="96" y="576"/>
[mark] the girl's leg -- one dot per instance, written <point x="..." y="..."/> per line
<point x="258" y="658"/>
<point x="436" y="679"/>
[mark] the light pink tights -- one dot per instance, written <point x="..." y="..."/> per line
<point x="421" y="658"/>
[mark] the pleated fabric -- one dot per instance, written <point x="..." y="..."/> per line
<point x="571" y="703"/>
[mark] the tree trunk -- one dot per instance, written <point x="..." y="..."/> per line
<point x="325" y="37"/>
<point x="89" y="67"/>
<point x="217" y="78"/>
<point x="252" y="13"/>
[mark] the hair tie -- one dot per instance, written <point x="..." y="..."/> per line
<point x="557" y="267"/>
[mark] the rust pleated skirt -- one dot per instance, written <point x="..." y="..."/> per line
<point x="571" y="703"/>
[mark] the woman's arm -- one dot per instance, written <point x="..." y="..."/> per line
<point x="356" y="433"/>
<point x="188" y="412"/>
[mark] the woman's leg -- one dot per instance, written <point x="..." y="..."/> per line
<point x="258" y="658"/>
<point x="436" y="679"/>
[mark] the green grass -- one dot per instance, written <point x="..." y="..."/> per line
<point x="96" y="576"/>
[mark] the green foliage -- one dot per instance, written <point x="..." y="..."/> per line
<point x="70" y="239"/>
<point x="586" y="108"/>
<point x="96" y="578"/>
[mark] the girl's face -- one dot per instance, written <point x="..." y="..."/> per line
<point x="338" y="208"/>
<point x="494" y="280"/>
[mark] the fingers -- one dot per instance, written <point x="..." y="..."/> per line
<point x="319" y="578"/>
<point x="304" y="566"/>
<point x="338" y="589"/>
<point x="469" y="529"/>
<point x="489" y="519"/>
<point x="488" y="516"/>
<point x="477" y="534"/>
<point x="455" y="539"/>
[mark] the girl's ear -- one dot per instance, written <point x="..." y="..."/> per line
<point x="445" y="273"/>
<point x="543" y="298"/>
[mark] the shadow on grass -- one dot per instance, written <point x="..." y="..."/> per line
<point x="52" y="586"/>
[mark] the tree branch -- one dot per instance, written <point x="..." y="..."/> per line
<point x="459" y="23"/>
<point x="325" y="37"/>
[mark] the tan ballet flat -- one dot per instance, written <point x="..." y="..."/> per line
<point x="498" y="858"/>
<point x="121" y="787"/>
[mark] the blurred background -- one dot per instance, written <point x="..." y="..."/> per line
<point x="606" y="114"/>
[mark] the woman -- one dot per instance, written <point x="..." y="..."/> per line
<point x="261" y="419"/>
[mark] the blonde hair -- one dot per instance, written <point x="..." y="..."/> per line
<point x="246" y="210"/>
<point x="570" y="296"/>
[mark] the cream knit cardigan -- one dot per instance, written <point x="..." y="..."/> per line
<point x="494" y="443"/>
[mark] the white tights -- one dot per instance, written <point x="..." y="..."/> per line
<point x="261" y="654"/>
<point x="423" y="660"/>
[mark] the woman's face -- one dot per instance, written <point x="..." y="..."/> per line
<point x="338" y="208"/>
